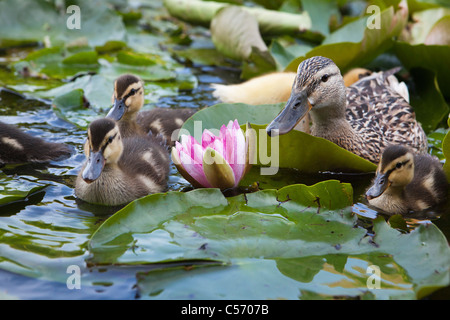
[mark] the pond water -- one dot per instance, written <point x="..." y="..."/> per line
<point x="49" y="230"/>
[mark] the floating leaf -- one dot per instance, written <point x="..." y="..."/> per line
<point x="58" y="62"/>
<point x="423" y="23"/>
<point x="71" y="106"/>
<point x="360" y="43"/>
<point x="292" y="240"/>
<point x="38" y="19"/>
<point x="427" y="57"/>
<point x="446" y="152"/>
<point x="427" y="94"/>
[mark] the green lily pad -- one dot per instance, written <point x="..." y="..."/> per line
<point x="295" y="150"/>
<point x="306" y="153"/>
<point x="291" y="240"/>
<point x="58" y="62"/>
<point x="424" y="22"/>
<point x="429" y="57"/>
<point x="360" y="43"/>
<point x="446" y="152"/>
<point x="427" y="100"/>
<point x="71" y="107"/>
<point x="40" y="19"/>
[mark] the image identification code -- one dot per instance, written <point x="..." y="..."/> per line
<point x="243" y="309"/>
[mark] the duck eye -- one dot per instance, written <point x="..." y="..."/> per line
<point x="110" y="139"/>
<point x="398" y="165"/>
<point x="325" y="78"/>
<point x="133" y="91"/>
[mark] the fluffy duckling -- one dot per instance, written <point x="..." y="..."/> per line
<point x="406" y="181"/>
<point x="128" y="99"/>
<point x="363" y="118"/>
<point x="17" y="146"/>
<point x="119" y="170"/>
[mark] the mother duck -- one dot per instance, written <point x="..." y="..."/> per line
<point x="363" y="118"/>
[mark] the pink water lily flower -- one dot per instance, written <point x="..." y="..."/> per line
<point x="217" y="162"/>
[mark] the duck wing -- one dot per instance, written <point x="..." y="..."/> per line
<point x="382" y="116"/>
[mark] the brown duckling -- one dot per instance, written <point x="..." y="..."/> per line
<point x="119" y="170"/>
<point x="128" y="99"/>
<point x="406" y="181"/>
<point x="17" y="146"/>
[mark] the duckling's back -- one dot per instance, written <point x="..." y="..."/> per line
<point x="163" y="121"/>
<point x="17" y="146"/>
<point x="146" y="161"/>
<point x="429" y="186"/>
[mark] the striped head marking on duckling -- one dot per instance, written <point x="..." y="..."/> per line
<point x="318" y="84"/>
<point x="103" y="146"/>
<point x="396" y="170"/>
<point x="128" y="97"/>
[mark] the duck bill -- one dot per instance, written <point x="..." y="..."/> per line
<point x="380" y="184"/>
<point x="295" y="110"/>
<point x="117" y="111"/>
<point x="94" y="167"/>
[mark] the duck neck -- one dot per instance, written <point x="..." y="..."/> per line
<point x="329" y="122"/>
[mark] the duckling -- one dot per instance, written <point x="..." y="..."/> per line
<point x="119" y="170"/>
<point x="17" y="146"/>
<point x="363" y="118"/>
<point x="128" y="99"/>
<point x="406" y="181"/>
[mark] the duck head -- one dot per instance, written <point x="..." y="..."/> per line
<point x="103" y="146"/>
<point x="128" y="97"/>
<point x="396" y="169"/>
<point x="318" y="87"/>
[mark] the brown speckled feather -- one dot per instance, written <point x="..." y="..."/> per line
<point x="380" y="116"/>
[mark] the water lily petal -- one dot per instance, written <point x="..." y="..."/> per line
<point x="194" y="169"/>
<point x="177" y="161"/>
<point x="191" y="147"/>
<point x="217" y="171"/>
<point x="236" y="157"/>
<point x="250" y="147"/>
<point x="207" y="138"/>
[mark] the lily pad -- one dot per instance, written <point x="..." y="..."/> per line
<point x="427" y="100"/>
<point x="40" y="19"/>
<point x="429" y="57"/>
<point x="58" y="62"/>
<point x="287" y="237"/>
<point x="71" y="107"/>
<point x="360" y="43"/>
<point x="295" y="150"/>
